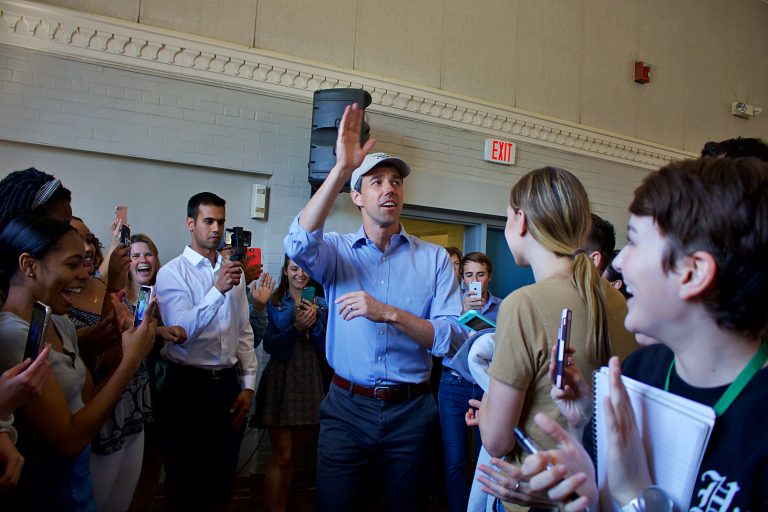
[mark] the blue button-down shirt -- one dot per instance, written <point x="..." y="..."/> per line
<point x="489" y="311"/>
<point x="411" y="275"/>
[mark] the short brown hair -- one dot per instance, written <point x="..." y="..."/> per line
<point x="477" y="257"/>
<point x="454" y="251"/>
<point x="719" y="206"/>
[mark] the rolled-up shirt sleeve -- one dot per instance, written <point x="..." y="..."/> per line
<point x="310" y="250"/>
<point x="445" y="309"/>
<point x="176" y="308"/>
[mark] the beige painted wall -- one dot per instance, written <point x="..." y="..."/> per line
<point x="569" y="59"/>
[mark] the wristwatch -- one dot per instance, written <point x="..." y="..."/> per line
<point x="653" y="499"/>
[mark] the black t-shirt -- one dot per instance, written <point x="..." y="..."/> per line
<point x="734" y="473"/>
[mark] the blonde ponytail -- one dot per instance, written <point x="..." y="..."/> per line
<point x="588" y="283"/>
<point x="559" y="218"/>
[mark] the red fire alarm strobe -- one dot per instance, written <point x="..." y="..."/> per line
<point x="642" y="72"/>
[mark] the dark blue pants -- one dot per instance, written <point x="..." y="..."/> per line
<point x="363" y="438"/>
<point x="200" y="446"/>
<point x="453" y="399"/>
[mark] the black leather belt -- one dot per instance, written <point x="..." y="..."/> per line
<point x="388" y="393"/>
<point x="202" y="373"/>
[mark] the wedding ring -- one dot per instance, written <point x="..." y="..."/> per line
<point x="517" y="486"/>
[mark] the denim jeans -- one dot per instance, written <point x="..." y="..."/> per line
<point x="453" y="401"/>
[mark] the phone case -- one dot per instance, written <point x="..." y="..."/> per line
<point x="476" y="321"/>
<point x="253" y="255"/>
<point x="308" y="293"/>
<point x="145" y="296"/>
<point x="41" y="316"/>
<point x="563" y="338"/>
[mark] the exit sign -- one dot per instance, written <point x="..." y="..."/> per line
<point x="500" y="151"/>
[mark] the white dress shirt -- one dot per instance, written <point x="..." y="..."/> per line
<point x="219" y="333"/>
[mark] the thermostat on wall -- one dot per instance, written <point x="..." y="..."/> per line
<point x="259" y="202"/>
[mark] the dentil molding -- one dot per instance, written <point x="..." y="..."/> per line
<point x="151" y="50"/>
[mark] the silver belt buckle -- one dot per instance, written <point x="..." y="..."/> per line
<point x="381" y="392"/>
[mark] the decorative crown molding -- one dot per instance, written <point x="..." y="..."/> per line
<point x="151" y="50"/>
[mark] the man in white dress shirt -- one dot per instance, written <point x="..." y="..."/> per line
<point x="204" y="403"/>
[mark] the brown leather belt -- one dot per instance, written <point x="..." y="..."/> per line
<point x="388" y="393"/>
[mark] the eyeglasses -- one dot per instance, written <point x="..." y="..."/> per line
<point x="91" y="239"/>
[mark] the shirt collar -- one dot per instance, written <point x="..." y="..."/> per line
<point x="195" y="258"/>
<point x="361" y="239"/>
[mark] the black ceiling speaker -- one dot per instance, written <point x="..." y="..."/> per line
<point x="327" y="108"/>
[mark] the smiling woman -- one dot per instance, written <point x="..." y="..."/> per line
<point x="42" y="260"/>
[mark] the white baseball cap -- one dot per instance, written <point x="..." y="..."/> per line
<point x="374" y="160"/>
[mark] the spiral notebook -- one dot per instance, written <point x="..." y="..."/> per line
<point x="675" y="432"/>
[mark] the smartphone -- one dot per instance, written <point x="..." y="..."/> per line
<point x="475" y="286"/>
<point x="121" y="215"/>
<point x="253" y="256"/>
<point x="145" y="295"/>
<point x="476" y="321"/>
<point x="308" y="293"/>
<point x="41" y="315"/>
<point x="125" y="236"/>
<point x="563" y="341"/>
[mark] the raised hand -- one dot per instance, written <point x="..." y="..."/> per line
<point x="306" y="315"/>
<point x="575" y="400"/>
<point x="349" y="152"/>
<point x="138" y="341"/>
<point x="262" y="291"/>
<point x="252" y="272"/>
<point x="228" y="276"/>
<point x="626" y="465"/>
<point x="122" y="315"/>
<point x="22" y="382"/>
<point x="473" y="301"/>
<point x="117" y="271"/>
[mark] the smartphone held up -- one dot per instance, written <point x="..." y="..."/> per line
<point x="41" y="316"/>
<point x="121" y="220"/>
<point x="563" y="342"/>
<point x="142" y="303"/>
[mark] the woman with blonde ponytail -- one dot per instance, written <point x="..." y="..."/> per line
<point x="548" y="221"/>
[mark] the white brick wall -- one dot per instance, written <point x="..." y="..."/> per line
<point x="85" y="107"/>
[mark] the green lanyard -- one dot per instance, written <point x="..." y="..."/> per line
<point x="737" y="386"/>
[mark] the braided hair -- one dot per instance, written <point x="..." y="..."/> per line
<point x="20" y="193"/>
